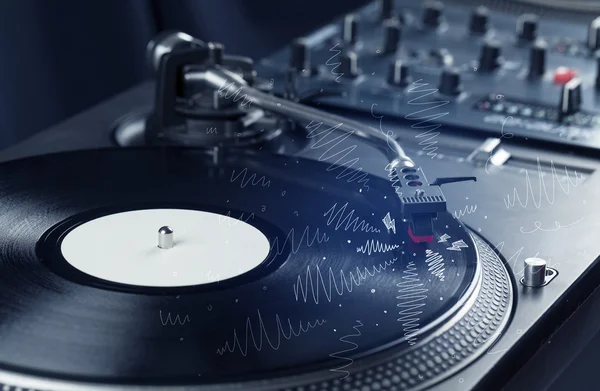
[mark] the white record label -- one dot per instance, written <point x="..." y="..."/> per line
<point x="123" y="248"/>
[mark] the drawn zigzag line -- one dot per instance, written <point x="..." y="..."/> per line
<point x="236" y="94"/>
<point x="172" y="321"/>
<point x="251" y="179"/>
<point x="233" y="221"/>
<point x="466" y="211"/>
<point x="347" y="171"/>
<point x="424" y="119"/>
<point x="436" y="264"/>
<point x="277" y="249"/>
<point x="335" y="65"/>
<point x="356" y="224"/>
<point x="346" y="284"/>
<point x="286" y="331"/>
<point x="411" y="298"/>
<point x="550" y="197"/>
<point x="343" y="354"/>
<point x="374" y="246"/>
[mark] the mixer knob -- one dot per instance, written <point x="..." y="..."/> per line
<point x="479" y="21"/>
<point x="300" y="55"/>
<point x="350" y="30"/>
<point x="215" y="52"/>
<point x="399" y="74"/>
<point x="349" y="64"/>
<point x="432" y="14"/>
<point x="490" y="58"/>
<point x="593" y="41"/>
<point x="387" y="9"/>
<point x="391" y="36"/>
<point x="527" y="27"/>
<point x="450" y="82"/>
<point x="537" y="58"/>
<point x="570" y="98"/>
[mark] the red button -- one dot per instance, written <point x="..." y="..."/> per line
<point x="563" y="75"/>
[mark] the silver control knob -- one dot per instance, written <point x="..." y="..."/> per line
<point x="534" y="274"/>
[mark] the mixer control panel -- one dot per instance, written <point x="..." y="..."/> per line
<point x="484" y="70"/>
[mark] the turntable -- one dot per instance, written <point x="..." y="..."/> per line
<point x="243" y="233"/>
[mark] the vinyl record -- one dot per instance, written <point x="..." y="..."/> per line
<point x="299" y="271"/>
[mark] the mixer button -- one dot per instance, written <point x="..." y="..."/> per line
<point x="392" y="34"/>
<point x="593" y="41"/>
<point x="563" y="75"/>
<point x="537" y="59"/>
<point x="299" y="55"/>
<point x="527" y="27"/>
<point x="490" y="57"/>
<point x="398" y="74"/>
<point x="450" y="82"/>
<point x="350" y="30"/>
<point x="432" y="14"/>
<point x="349" y="65"/>
<point x="479" y="21"/>
<point x="570" y="98"/>
<point x="387" y="9"/>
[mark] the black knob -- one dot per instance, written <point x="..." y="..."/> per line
<point x="215" y="52"/>
<point x="300" y="55"/>
<point x="432" y="14"/>
<point x="570" y="97"/>
<point x="593" y="41"/>
<point x="398" y="74"/>
<point x="387" y="9"/>
<point x="537" y="58"/>
<point x="490" y="57"/>
<point x="349" y="64"/>
<point x="479" y="21"/>
<point x="392" y="33"/>
<point x="527" y="27"/>
<point x="350" y="30"/>
<point x="450" y="82"/>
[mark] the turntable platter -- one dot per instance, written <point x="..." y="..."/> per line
<point x="333" y="272"/>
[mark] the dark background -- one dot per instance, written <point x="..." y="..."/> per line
<point x="59" y="57"/>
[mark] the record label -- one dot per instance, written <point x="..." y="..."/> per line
<point x="123" y="248"/>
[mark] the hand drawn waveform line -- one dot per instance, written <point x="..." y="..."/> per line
<point x="276" y="249"/>
<point x="251" y="179"/>
<point x="171" y="321"/>
<point x="424" y="118"/>
<point x="467" y="210"/>
<point x="436" y="264"/>
<point x="347" y="284"/>
<point x="411" y="299"/>
<point x="375" y="246"/>
<point x="233" y="221"/>
<point x="347" y="171"/>
<point x="356" y="224"/>
<point x="343" y="354"/>
<point x="226" y="91"/>
<point x="263" y="335"/>
<point x="550" y="197"/>
<point x="335" y="65"/>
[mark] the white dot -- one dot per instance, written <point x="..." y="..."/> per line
<point x="340" y="305"/>
<point x="394" y="269"/>
<point x="384" y="311"/>
<point x="349" y="241"/>
<point x="334" y="330"/>
<point x="414" y="254"/>
<point x="376" y="324"/>
<point x="467" y="198"/>
<point x="324" y="257"/>
<point x="485" y="217"/>
<point x="384" y="197"/>
<point x="181" y="339"/>
<point x="236" y="300"/>
<point x="264" y="288"/>
<point x="372" y="290"/>
<point x="478" y="229"/>
<point x="441" y="298"/>
<point x="446" y="226"/>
